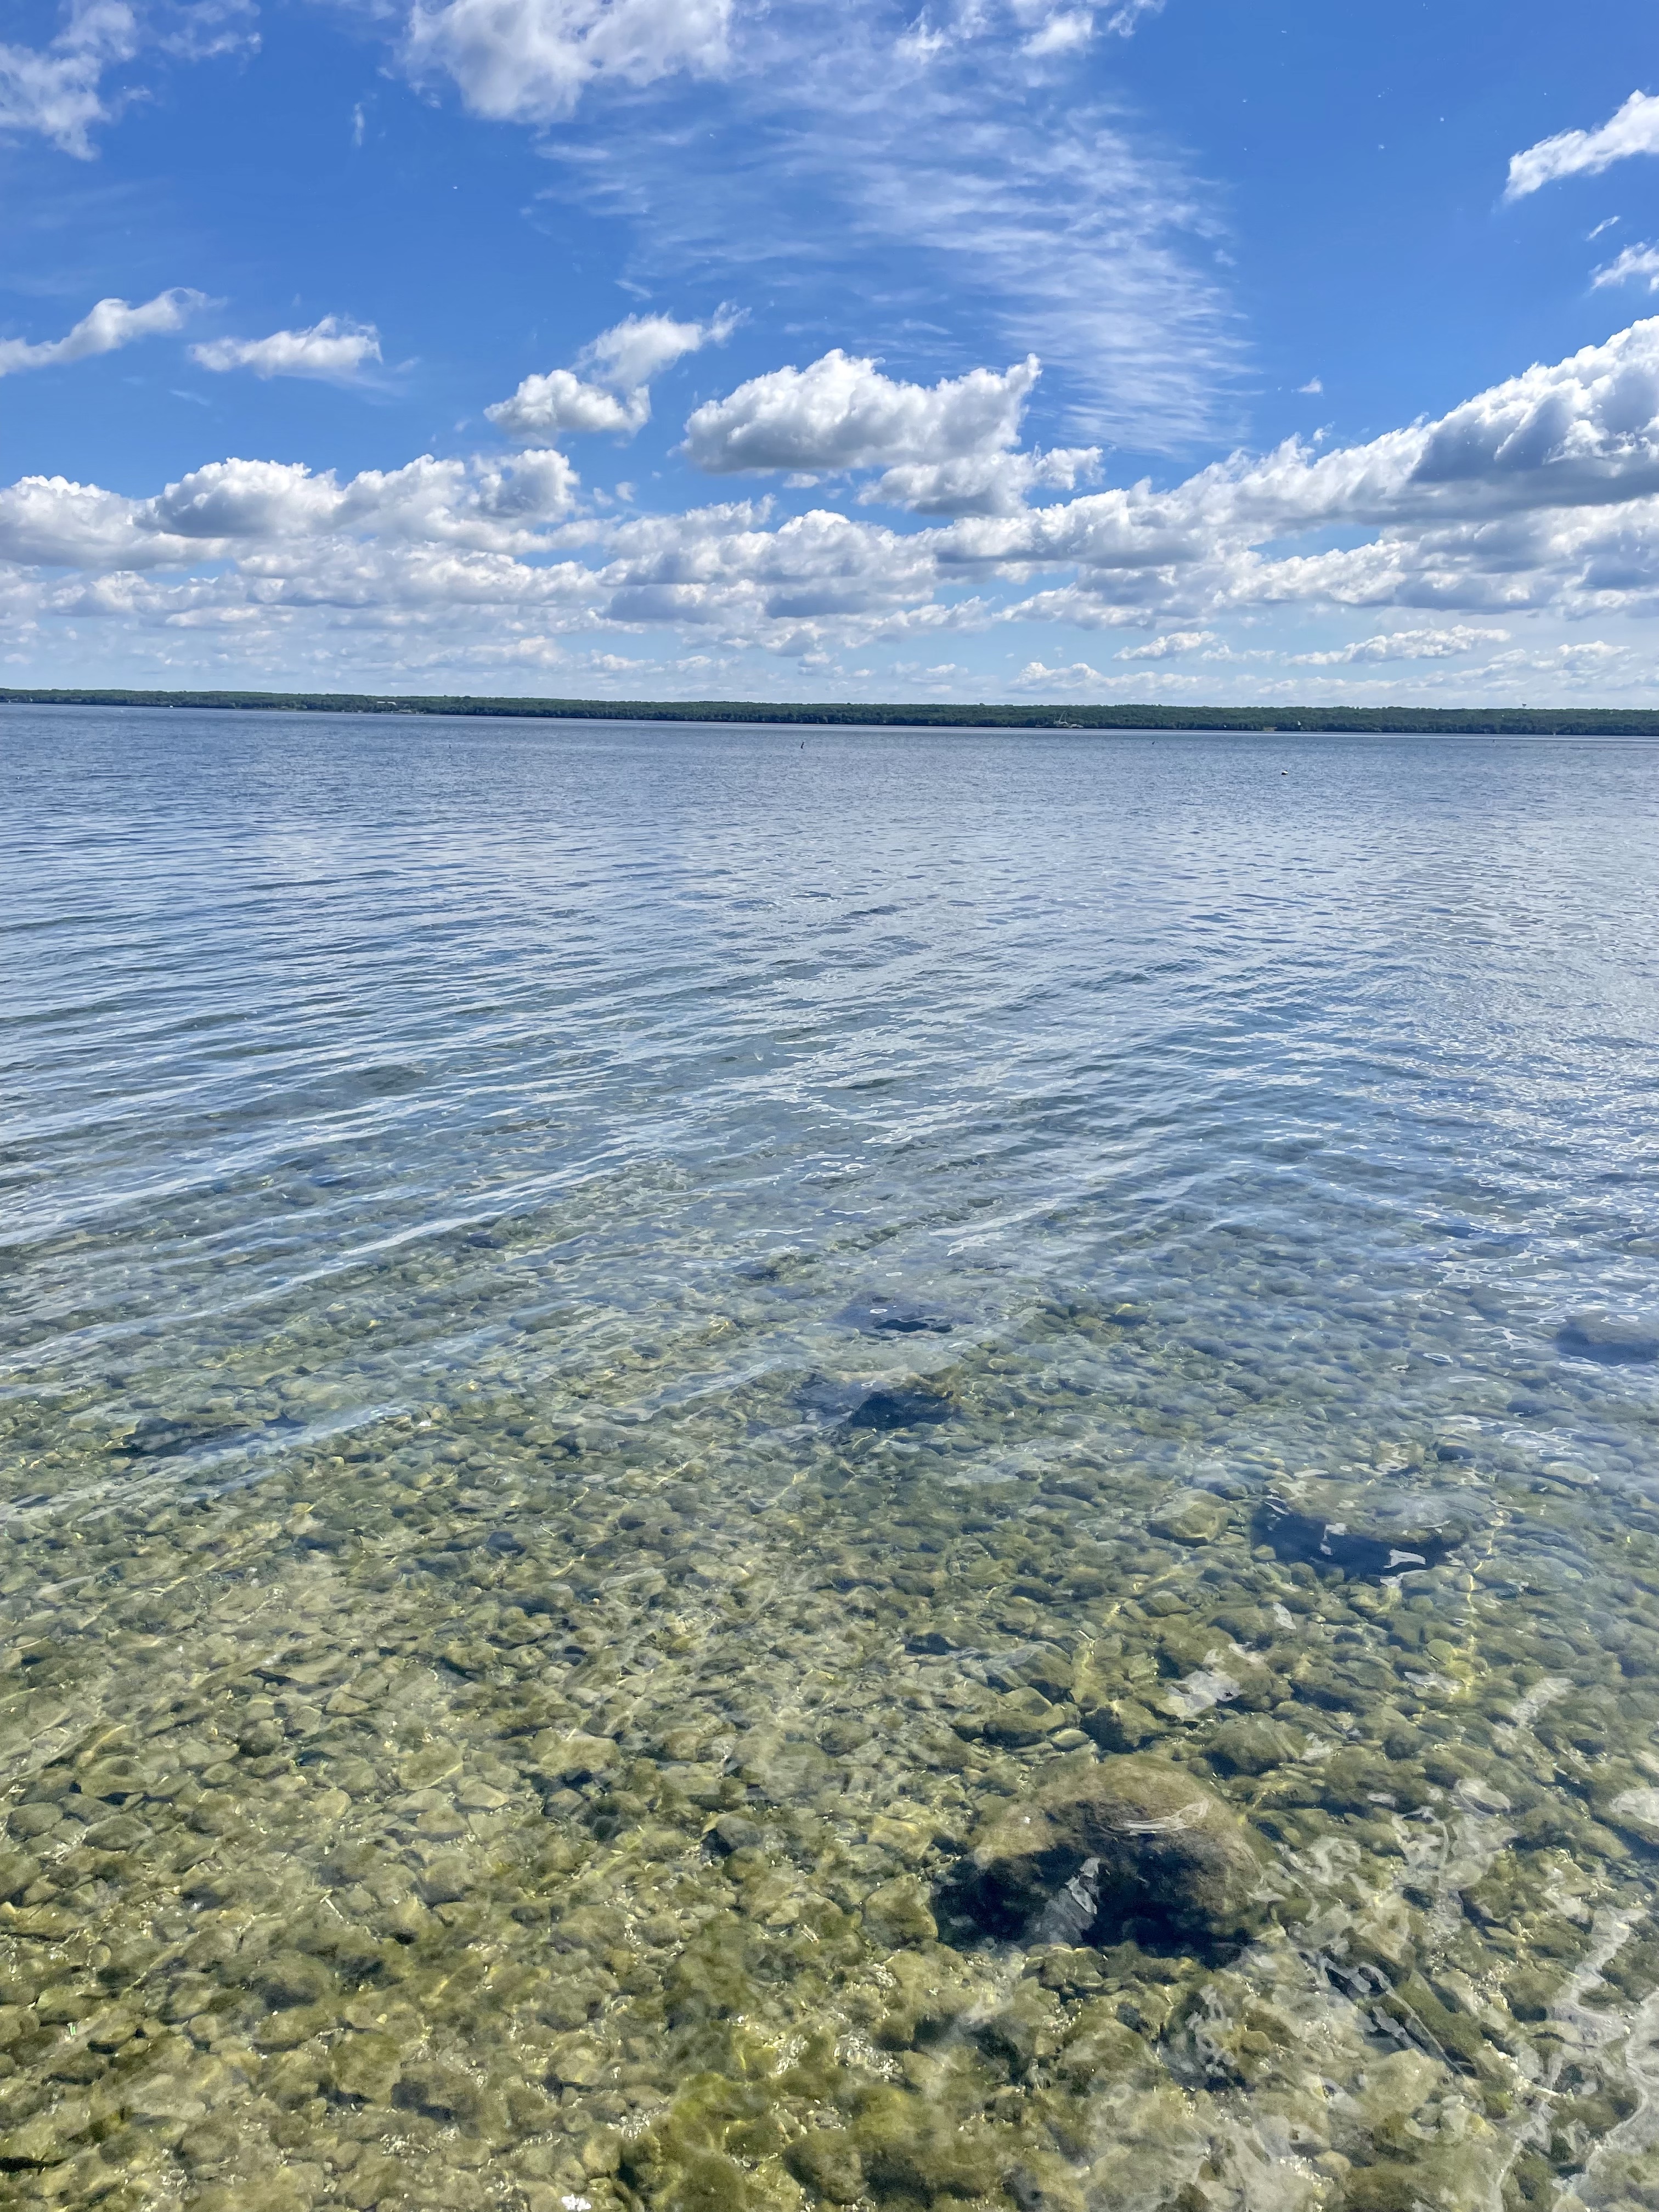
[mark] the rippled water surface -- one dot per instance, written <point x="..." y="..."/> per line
<point x="626" y="1347"/>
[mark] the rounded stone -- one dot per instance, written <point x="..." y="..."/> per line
<point x="1126" y="1841"/>
<point x="366" y="2066"/>
<point x="289" y="1978"/>
<point x="1252" y="1746"/>
<point x="1190" y="1518"/>
<point x="1608" y="1339"/>
<point x="896" y="1913"/>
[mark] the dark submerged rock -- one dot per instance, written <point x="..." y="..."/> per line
<point x="184" y="1436"/>
<point x="1609" y="1340"/>
<point x="731" y="1833"/>
<point x="882" y="1316"/>
<point x="1134" y="1843"/>
<point x="903" y="1409"/>
<point x="906" y="1403"/>
<point x="1389" y="1547"/>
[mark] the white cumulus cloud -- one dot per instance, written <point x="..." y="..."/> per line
<point x="1633" y="129"/>
<point x="640" y="347"/>
<point x="613" y="395"/>
<point x="111" y="324"/>
<point x="980" y="484"/>
<point x="944" y="448"/>
<point x="842" y="413"/>
<point x="333" y="349"/>
<point x="275" y="516"/>
<point x="529" y="61"/>
<point x="1404" y="645"/>
<point x="1475" y="507"/>
<point x="1078" y="677"/>
<point x="1539" y="498"/>
<point x="1171" y="643"/>
<point x="547" y="406"/>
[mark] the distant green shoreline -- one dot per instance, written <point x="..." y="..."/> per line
<point x="1494" y="722"/>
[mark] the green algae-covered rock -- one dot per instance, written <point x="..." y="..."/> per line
<point x="1099" y="2048"/>
<point x="1190" y="1518"/>
<point x="366" y="2066"/>
<point x="932" y="1993"/>
<point x="897" y="1913"/>
<point x="904" y="2144"/>
<point x="1134" y="1839"/>
<point x="1121" y="1723"/>
<point x="826" y="2160"/>
<point x="1253" y="1745"/>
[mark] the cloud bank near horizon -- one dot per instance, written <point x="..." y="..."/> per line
<point x="1537" y="498"/>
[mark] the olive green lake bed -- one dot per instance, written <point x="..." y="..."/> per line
<point x="909" y="1471"/>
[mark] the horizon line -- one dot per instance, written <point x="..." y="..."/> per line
<point x="1406" y="722"/>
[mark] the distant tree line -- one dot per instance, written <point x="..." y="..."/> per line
<point x="1479" y="721"/>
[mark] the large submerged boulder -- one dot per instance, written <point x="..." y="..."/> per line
<point x="1130" y="1845"/>
<point x="1611" y="1339"/>
<point x="1368" y="1530"/>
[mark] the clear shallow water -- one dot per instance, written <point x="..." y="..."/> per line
<point x="566" y="1286"/>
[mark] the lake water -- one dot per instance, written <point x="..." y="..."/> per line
<point x="622" y="1343"/>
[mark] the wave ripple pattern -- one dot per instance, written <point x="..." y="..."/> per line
<point x="898" y="1471"/>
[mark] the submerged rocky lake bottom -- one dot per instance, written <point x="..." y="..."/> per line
<point x="919" y="1470"/>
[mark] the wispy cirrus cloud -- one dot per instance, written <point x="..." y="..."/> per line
<point x="1635" y="264"/>
<point x="865" y="148"/>
<point x="110" y="325"/>
<point x="59" y="91"/>
<point x="1042" y="27"/>
<point x="1054" y="222"/>
<point x="532" y="60"/>
<point x="1633" y="129"/>
<point x="334" y="350"/>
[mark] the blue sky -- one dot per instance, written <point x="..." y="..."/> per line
<point x="999" y="348"/>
